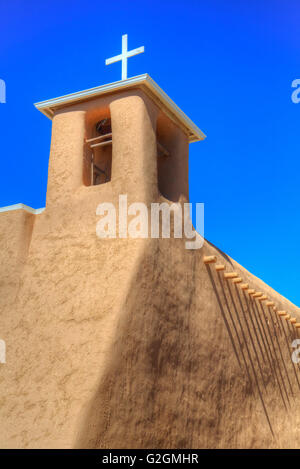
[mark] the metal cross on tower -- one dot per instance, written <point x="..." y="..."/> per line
<point x="124" y="56"/>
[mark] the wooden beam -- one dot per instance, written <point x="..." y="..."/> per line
<point x="257" y="294"/>
<point x="237" y="280"/>
<point x="162" y="148"/>
<point x="99" y="169"/>
<point x="209" y="259"/>
<point x="263" y="298"/>
<point x="281" y="313"/>
<point x="101" y="144"/>
<point x="244" y="286"/>
<point x="229" y="275"/>
<point x="220" y="267"/>
<point x="99" y="138"/>
<point x="92" y="168"/>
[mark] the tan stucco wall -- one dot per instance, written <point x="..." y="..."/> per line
<point x="118" y="342"/>
<point x="172" y="379"/>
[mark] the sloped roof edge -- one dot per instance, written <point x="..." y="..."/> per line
<point x="49" y="106"/>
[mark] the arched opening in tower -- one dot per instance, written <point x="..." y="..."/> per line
<point x="98" y="151"/>
<point x="172" y="159"/>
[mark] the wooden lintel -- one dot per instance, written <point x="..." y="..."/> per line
<point x="101" y="144"/>
<point x="99" y="138"/>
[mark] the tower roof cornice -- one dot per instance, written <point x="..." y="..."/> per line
<point x="144" y="82"/>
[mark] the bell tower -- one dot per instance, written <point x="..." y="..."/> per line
<point x="128" y="134"/>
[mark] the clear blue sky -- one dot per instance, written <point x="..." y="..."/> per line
<point x="228" y="64"/>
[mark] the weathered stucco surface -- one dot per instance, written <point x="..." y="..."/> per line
<point x="121" y="342"/>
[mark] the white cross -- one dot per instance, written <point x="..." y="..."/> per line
<point x="124" y="56"/>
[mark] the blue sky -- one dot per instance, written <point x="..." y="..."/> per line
<point x="228" y="64"/>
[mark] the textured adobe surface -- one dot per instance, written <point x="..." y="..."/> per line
<point x="121" y="342"/>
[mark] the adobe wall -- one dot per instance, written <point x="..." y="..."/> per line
<point x="121" y="343"/>
<point x="63" y="288"/>
<point x="118" y="342"/>
<point x="15" y="237"/>
<point x="59" y="325"/>
<point x="172" y="379"/>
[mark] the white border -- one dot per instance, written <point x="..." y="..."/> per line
<point x="33" y="211"/>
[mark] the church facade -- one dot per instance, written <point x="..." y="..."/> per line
<point x="133" y="343"/>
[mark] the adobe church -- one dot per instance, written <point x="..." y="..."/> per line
<point x="134" y="343"/>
